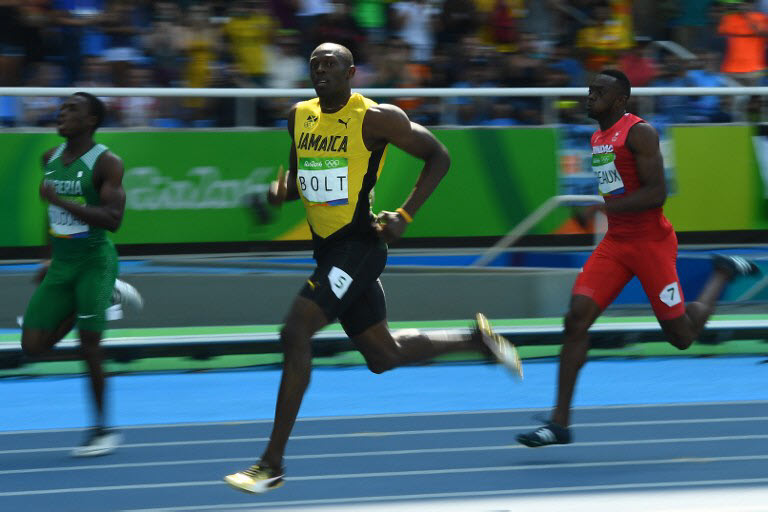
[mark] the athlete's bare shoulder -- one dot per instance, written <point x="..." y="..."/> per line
<point x="384" y="123"/>
<point x="642" y="137"/>
<point x="109" y="159"/>
<point x="108" y="167"/>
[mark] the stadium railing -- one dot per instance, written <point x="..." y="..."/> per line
<point x="545" y="93"/>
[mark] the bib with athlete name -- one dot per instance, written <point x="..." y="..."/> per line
<point x="73" y="182"/>
<point x="615" y="166"/>
<point x="336" y="172"/>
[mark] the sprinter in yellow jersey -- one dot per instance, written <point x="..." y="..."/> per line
<point x="339" y="143"/>
<point x="82" y="183"/>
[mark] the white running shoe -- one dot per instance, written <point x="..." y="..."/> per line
<point x="126" y="295"/>
<point x="500" y="347"/>
<point x="100" y="441"/>
<point x="256" y="479"/>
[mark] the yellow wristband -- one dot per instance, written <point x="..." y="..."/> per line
<point x="405" y="215"/>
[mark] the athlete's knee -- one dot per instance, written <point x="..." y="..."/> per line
<point x="679" y="340"/>
<point x="382" y="361"/>
<point x="32" y="346"/>
<point x="34" y="342"/>
<point x="90" y="350"/>
<point x="680" y="332"/>
<point x="576" y="323"/>
<point x="297" y="348"/>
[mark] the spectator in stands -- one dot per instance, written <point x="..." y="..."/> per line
<point x="121" y="23"/>
<point x="307" y="15"/>
<point x="248" y="32"/>
<point x="341" y="27"/>
<point x="703" y="72"/>
<point x="457" y="20"/>
<point x="414" y="23"/>
<point x="164" y="43"/>
<point x="671" y="109"/>
<point x="137" y="111"/>
<point x="79" y="32"/>
<point x="502" y="24"/>
<point x="639" y="63"/>
<point x="285" y="13"/>
<point x="96" y="73"/>
<point x="42" y="110"/>
<point x="36" y="18"/>
<point x="371" y="16"/>
<point x="287" y="69"/>
<point x="691" y="27"/>
<point x="475" y="109"/>
<point x="571" y="17"/>
<point x="745" y="29"/>
<point x="201" y="40"/>
<point x="603" y="42"/>
<point x="11" y="42"/>
<point x="562" y="57"/>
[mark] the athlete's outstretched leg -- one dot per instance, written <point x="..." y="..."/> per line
<point x="581" y="315"/>
<point x="384" y="350"/>
<point x="683" y="331"/>
<point x="304" y="320"/>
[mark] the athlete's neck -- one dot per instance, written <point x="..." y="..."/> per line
<point x="610" y="119"/>
<point x="333" y="103"/>
<point x="79" y="144"/>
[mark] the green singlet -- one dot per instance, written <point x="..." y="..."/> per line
<point x="84" y="266"/>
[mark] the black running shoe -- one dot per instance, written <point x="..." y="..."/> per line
<point x="550" y="433"/>
<point x="735" y="265"/>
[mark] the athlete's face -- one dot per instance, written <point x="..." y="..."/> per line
<point x="74" y="117"/>
<point x="603" y="94"/>
<point x="328" y="73"/>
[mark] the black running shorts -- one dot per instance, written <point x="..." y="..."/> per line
<point x="346" y="284"/>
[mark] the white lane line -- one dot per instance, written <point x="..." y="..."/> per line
<point x="400" y="415"/>
<point x="726" y="499"/>
<point x="404" y="433"/>
<point x="382" y="453"/>
<point x="400" y="474"/>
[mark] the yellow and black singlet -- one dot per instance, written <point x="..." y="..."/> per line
<point x="335" y="172"/>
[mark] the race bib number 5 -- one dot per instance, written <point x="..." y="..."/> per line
<point x="324" y="180"/>
<point x="63" y="223"/>
<point x="608" y="178"/>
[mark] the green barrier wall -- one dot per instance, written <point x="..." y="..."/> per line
<point x="188" y="186"/>
<point x="718" y="180"/>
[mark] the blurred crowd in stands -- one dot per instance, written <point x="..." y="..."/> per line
<point x="396" y="43"/>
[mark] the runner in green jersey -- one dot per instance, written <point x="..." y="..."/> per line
<point x="82" y="184"/>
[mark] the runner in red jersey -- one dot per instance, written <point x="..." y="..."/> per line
<point x="639" y="242"/>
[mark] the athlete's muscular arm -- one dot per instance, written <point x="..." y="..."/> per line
<point x="643" y="141"/>
<point x="387" y="124"/>
<point x="108" y="180"/>
<point x="284" y="187"/>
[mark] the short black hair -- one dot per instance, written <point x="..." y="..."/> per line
<point x="621" y="79"/>
<point x="95" y="107"/>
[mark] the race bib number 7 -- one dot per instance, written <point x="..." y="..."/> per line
<point x="324" y="180"/>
